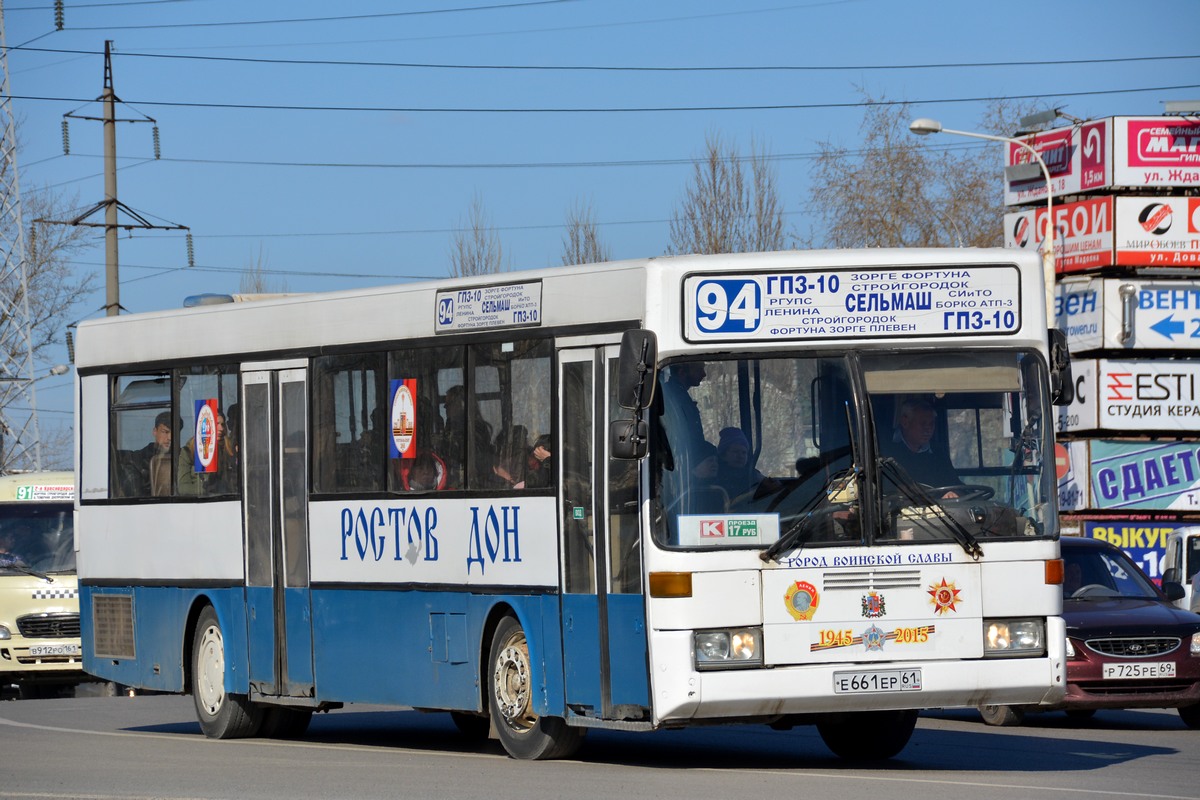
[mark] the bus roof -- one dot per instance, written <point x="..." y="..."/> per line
<point x="622" y="293"/>
<point x="37" y="486"/>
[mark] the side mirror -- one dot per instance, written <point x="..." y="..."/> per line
<point x="637" y="374"/>
<point x="1170" y="575"/>
<point x="1173" y="591"/>
<point x="627" y="439"/>
<point x="1062" y="388"/>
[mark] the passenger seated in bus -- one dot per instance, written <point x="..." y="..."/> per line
<point x="425" y="472"/>
<point x="452" y="445"/>
<point x="147" y="472"/>
<point x="511" y="454"/>
<point x="916" y="452"/>
<point x="539" y="466"/>
<point x="703" y="495"/>
<point x="735" y="474"/>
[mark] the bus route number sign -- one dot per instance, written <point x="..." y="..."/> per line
<point x="879" y="680"/>
<point x="870" y="302"/>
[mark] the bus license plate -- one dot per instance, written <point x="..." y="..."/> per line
<point x="40" y="650"/>
<point x="882" y="680"/>
<point x="1156" y="669"/>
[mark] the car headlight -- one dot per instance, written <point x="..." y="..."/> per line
<point x="1195" y="648"/>
<point x="1009" y="638"/>
<point x="1070" y="648"/>
<point x="730" y="648"/>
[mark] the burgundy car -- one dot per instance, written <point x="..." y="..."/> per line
<point x="1127" y="645"/>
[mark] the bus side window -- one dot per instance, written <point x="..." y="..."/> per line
<point x="511" y="391"/>
<point x="435" y="376"/>
<point x="350" y="423"/>
<point x="140" y="426"/>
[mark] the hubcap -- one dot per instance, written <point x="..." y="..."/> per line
<point x="510" y="681"/>
<point x="210" y="670"/>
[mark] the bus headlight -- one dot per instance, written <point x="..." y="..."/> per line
<point x="728" y="648"/>
<point x="1003" y="638"/>
<point x="5" y="633"/>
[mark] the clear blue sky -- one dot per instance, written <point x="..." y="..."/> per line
<point x="256" y="182"/>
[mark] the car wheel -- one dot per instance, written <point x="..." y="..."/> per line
<point x="1002" y="716"/>
<point x="221" y="715"/>
<point x="521" y="730"/>
<point x="1191" y="716"/>
<point x="868" y="735"/>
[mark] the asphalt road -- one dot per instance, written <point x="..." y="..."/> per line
<point x="151" y="747"/>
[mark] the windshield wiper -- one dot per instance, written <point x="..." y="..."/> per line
<point x="791" y="536"/>
<point x="916" y="494"/>
<point x="21" y="566"/>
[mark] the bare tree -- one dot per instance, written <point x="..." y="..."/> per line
<point x="50" y="289"/>
<point x="255" y="279"/>
<point x="723" y="209"/>
<point x="475" y="249"/>
<point x="899" y="190"/>
<point x="582" y="243"/>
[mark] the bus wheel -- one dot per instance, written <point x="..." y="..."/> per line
<point x="280" y="722"/>
<point x="868" y="735"/>
<point x="1002" y="716"/>
<point x="522" y="732"/>
<point x="222" y="716"/>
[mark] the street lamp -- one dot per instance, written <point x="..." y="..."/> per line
<point x="924" y="127"/>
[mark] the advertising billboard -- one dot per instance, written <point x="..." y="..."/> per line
<point x="1133" y="314"/>
<point x="1111" y="231"/>
<point x="1107" y="154"/>
<point x="1115" y="397"/>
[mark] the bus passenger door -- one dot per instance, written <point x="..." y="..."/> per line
<point x="603" y="608"/>
<point x="279" y="609"/>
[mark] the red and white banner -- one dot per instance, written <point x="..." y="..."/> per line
<point x="1107" y="154"/>
<point x="1106" y="232"/>
<point x="1156" y="151"/>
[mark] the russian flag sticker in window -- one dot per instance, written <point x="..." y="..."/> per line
<point x="204" y="453"/>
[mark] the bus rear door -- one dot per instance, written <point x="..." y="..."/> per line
<point x="278" y="600"/>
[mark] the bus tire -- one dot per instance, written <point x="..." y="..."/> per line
<point x="1002" y="716"/>
<point x="868" y="735"/>
<point x="523" y="733"/>
<point x="281" y="722"/>
<point x="221" y="715"/>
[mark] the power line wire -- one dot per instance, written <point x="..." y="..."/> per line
<point x="608" y="109"/>
<point x="343" y="18"/>
<point x="620" y="68"/>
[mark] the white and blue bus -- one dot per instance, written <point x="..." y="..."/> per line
<point x="638" y="495"/>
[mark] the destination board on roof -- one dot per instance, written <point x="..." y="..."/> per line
<point x="865" y="303"/>
<point x="510" y="305"/>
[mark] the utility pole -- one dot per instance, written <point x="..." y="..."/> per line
<point x="111" y="205"/>
<point x="112" y="295"/>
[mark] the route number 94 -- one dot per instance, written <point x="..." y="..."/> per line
<point x="728" y="306"/>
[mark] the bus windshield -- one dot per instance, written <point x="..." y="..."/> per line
<point x="890" y="447"/>
<point x="36" y="537"/>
